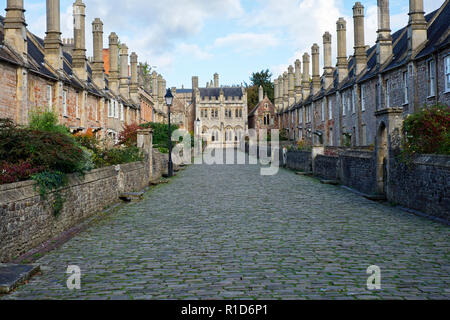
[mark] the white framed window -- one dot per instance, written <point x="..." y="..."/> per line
<point x="431" y="78"/>
<point x="49" y="98"/>
<point x="330" y="137"/>
<point x="364" y="135"/>
<point x="300" y="115"/>
<point x="363" y="97"/>
<point x="447" y="73"/>
<point x="330" y="109"/>
<point x="405" y="88"/>
<point x="64" y="98"/>
<point x="109" y="108"/>
<point x="116" y="110"/>
<point x="122" y="116"/>
<point x="77" y="107"/>
<point x="323" y="110"/>
<point x="388" y="93"/>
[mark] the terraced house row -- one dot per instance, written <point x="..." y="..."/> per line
<point x="400" y="74"/>
<point x="98" y="94"/>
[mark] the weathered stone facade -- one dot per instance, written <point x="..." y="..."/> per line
<point x="53" y="75"/>
<point x="407" y="69"/>
<point x="264" y="115"/>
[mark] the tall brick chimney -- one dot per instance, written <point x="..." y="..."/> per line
<point x="285" y="90"/>
<point x="15" y="27"/>
<point x="384" y="41"/>
<point x="280" y="92"/>
<point x="52" y="42"/>
<point x="98" y="75"/>
<point x="305" y="78"/>
<point x="315" y="68"/>
<point x="360" y="46"/>
<point x="124" y="83"/>
<point x="114" y="63"/>
<point x="342" y="63"/>
<point x="134" y="78"/>
<point x="155" y="89"/>
<point x="79" y="33"/>
<point x="327" y="68"/>
<point x="417" y="27"/>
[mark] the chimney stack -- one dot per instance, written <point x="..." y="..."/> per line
<point x="280" y="92"/>
<point x="134" y="79"/>
<point x="315" y="68"/>
<point x="161" y="88"/>
<point x="15" y="27"/>
<point x="124" y="83"/>
<point x="52" y="41"/>
<point x="285" y="90"/>
<point x="417" y="28"/>
<point x="305" y="78"/>
<point x="342" y="63"/>
<point x="79" y="33"/>
<point x="155" y="86"/>
<point x="360" y="46"/>
<point x="328" y="69"/>
<point x="98" y="69"/>
<point x="298" y="80"/>
<point x="291" y="81"/>
<point x="384" y="41"/>
<point x="216" y="80"/>
<point x="260" y="94"/>
<point x="114" y="63"/>
<point x="275" y="86"/>
<point x="194" y="85"/>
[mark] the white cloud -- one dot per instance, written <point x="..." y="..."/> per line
<point x="194" y="51"/>
<point x="249" y="43"/>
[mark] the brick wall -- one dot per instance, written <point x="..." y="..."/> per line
<point x="358" y="171"/>
<point x="299" y="160"/>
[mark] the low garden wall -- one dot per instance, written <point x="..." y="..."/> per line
<point x="299" y="160"/>
<point x="26" y="221"/>
<point x="422" y="185"/>
<point x="357" y="170"/>
<point x="326" y="167"/>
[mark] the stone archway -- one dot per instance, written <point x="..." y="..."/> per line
<point x="382" y="158"/>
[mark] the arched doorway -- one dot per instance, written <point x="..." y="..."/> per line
<point x="382" y="158"/>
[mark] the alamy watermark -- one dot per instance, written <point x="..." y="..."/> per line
<point x="209" y="148"/>
<point x="74" y="280"/>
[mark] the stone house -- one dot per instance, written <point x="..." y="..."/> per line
<point x="405" y="70"/>
<point x="264" y="115"/>
<point x="51" y="74"/>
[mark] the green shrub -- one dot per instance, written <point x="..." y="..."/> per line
<point x="46" y="121"/>
<point x="51" y="181"/>
<point x="115" y="156"/>
<point x="163" y="150"/>
<point x="160" y="133"/>
<point x="427" y="131"/>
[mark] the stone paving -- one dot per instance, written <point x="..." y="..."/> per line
<point x="218" y="232"/>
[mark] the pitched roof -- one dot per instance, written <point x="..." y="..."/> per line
<point x="215" y="92"/>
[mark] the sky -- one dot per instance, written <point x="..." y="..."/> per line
<point x="185" y="38"/>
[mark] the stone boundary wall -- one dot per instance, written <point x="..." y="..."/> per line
<point x="299" y="160"/>
<point x="423" y="186"/>
<point x="357" y="170"/>
<point x="326" y="167"/>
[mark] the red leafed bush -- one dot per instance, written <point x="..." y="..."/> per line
<point x="128" y="136"/>
<point x="15" y="172"/>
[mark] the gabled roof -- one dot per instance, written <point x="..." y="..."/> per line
<point x="265" y="100"/>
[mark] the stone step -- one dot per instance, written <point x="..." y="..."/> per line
<point x="13" y="275"/>
<point x="332" y="182"/>
<point x="376" y="197"/>
<point x="131" y="196"/>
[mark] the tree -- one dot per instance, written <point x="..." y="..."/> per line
<point x="264" y="79"/>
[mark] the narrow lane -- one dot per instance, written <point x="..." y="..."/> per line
<point x="227" y="232"/>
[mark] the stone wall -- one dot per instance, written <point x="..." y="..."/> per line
<point x="299" y="160"/>
<point x="424" y="185"/>
<point x="326" y="167"/>
<point x="26" y="221"/>
<point x="357" y="170"/>
<point x="160" y="164"/>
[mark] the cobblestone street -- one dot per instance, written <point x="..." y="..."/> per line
<point x="224" y="231"/>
